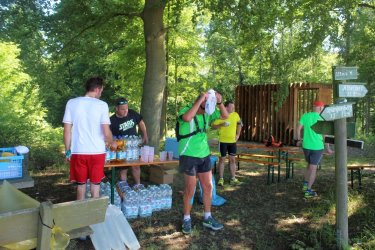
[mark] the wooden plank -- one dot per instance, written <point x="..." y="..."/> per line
<point x="77" y="214"/>
<point x="277" y="117"/>
<point x="253" y="113"/>
<point x="124" y="163"/>
<point x="269" y="109"/>
<point x="295" y="112"/>
<point x="247" y="112"/>
<point x="45" y="226"/>
<point x="18" y="225"/>
<point x="266" y="163"/>
<point x="256" y="114"/>
<point x="244" y="155"/>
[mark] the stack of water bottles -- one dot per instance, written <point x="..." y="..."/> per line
<point x="132" y="147"/>
<point x="138" y="201"/>
<point x="105" y="190"/>
<point x="144" y="201"/>
<point x="127" y="149"/>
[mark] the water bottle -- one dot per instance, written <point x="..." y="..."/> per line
<point x="113" y="151"/>
<point x="130" y="205"/>
<point x="157" y="204"/>
<point x="169" y="193"/>
<point x="117" y="200"/>
<point x="88" y="191"/>
<point x="145" y="207"/>
<point x="107" y="154"/>
<point x="128" y="148"/>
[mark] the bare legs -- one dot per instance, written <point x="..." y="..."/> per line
<point x="81" y="191"/>
<point x="310" y="174"/>
<point x="190" y="184"/>
<point x="136" y="172"/>
<point x="232" y="166"/>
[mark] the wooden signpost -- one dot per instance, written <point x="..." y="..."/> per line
<point x="338" y="114"/>
<point x="327" y="128"/>
<point x="352" y="89"/>
<point x="337" y="111"/>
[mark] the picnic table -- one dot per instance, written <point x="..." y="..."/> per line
<point x="123" y="163"/>
<point x="271" y="157"/>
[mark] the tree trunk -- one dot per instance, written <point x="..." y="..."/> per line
<point x="154" y="81"/>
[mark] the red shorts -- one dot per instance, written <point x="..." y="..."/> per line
<point x="83" y="167"/>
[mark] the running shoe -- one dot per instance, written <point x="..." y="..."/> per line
<point x="186" y="226"/>
<point x="310" y="194"/>
<point x="234" y="181"/>
<point x="220" y="182"/>
<point x="211" y="223"/>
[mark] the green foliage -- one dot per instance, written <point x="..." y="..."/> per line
<point x="21" y="112"/>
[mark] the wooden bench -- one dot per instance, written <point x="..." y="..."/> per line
<point x="73" y="217"/>
<point x="358" y="168"/>
<point x="264" y="160"/>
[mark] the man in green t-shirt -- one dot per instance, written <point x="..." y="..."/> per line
<point x="312" y="145"/>
<point x="194" y="151"/>
<point x="229" y="132"/>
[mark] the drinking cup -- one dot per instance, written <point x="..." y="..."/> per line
<point x="163" y="155"/>
<point x="170" y="155"/>
<point x="150" y="158"/>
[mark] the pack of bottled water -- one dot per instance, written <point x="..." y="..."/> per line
<point x="141" y="201"/>
<point x="130" y="205"/>
<point x="145" y="206"/>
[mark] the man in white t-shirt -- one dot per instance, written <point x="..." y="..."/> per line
<point x="86" y="131"/>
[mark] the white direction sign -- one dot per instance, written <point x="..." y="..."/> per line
<point x="337" y="111"/>
<point x="345" y="73"/>
<point x="352" y="90"/>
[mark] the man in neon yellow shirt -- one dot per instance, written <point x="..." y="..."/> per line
<point x="229" y="132"/>
<point x="194" y="152"/>
<point x="312" y="145"/>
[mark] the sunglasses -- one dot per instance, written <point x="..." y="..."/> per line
<point x="122" y="102"/>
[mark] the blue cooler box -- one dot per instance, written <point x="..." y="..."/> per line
<point x="171" y="144"/>
<point x="10" y="166"/>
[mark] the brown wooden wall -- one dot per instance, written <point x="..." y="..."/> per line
<point x="257" y="107"/>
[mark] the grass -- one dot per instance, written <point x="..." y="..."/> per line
<point x="256" y="215"/>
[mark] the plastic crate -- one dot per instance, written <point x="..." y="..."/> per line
<point x="10" y="166"/>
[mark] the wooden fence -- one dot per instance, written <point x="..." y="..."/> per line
<point x="261" y="116"/>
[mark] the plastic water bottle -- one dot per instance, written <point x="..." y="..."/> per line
<point x="117" y="200"/>
<point x="107" y="154"/>
<point x="157" y="204"/>
<point x="168" y="198"/>
<point x="128" y="148"/>
<point x="145" y="206"/>
<point x="130" y="205"/>
<point x="88" y="191"/>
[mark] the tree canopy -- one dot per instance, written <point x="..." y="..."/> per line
<point x="161" y="54"/>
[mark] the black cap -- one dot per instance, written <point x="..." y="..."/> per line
<point x="121" y="101"/>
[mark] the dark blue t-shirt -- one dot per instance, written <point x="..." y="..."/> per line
<point x="126" y="125"/>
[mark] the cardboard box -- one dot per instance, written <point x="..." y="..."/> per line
<point x="162" y="174"/>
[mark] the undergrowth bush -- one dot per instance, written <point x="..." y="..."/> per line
<point x="45" y="156"/>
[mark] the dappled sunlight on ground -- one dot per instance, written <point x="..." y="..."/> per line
<point x="252" y="173"/>
<point x="233" y="223"/>
<point x="290" y="223"/>
<point x="356" y="203"/>
<point x="280" y="194"/>
<point x="162" y="228"/>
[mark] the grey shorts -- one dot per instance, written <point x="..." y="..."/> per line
<point x="313" y="157"/>
<point x="193" y="165"/>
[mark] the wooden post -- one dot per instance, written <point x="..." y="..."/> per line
<point x="45" y="226"/>
<point x="340" y="133"/>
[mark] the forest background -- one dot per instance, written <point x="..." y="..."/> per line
<point x="161" y="54"/>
